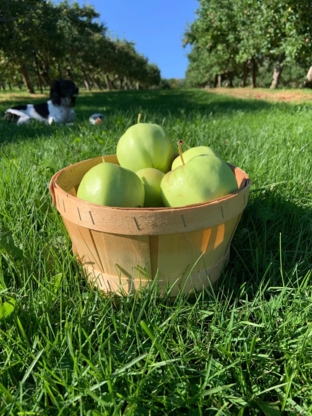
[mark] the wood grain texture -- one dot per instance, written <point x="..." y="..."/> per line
<point x="141" y="221"/>
<point x="127" y="248"/>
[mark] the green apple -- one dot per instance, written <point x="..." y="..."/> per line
<point x="192" y="152"/>
<point x="111" y="185"/>
<point x="151" y="179"/>
<point x="145" y="145"/>
<point x="202" y="179"/>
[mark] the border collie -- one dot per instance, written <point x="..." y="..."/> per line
<point x="59" y="109"/>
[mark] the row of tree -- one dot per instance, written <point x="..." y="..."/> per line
<point x="41" y="41"/>
<point x="240" y="38"/>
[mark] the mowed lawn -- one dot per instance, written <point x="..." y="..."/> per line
<point x="241" y="348"/>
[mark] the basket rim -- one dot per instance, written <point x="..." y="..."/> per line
<point x="143" y="221"/>
<point x="55" y="187"/>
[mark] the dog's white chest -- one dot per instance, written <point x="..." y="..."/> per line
<point x="59" y="114"/>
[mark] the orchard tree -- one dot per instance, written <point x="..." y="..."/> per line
<point x="43" y="41"/>
<point x="301" y="45"/>
<point x="15" y="34"/>
<point x="133" y="69"/>
<point x="215" y="32"/>
<point x="276" y="35"/>
<point x="240" y="36"/>
<point x="153" y="76"/>
<point x="199" y="72"/>
<point x="82" y="35"/>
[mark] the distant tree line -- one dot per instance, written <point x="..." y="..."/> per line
<point x="41" y="41"/>
<point x="240" y="42"/>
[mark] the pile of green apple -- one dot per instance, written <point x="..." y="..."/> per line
<point x="150" y="175"/>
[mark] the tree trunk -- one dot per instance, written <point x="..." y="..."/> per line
<point x="309" y="74"/>
<point x="277" y="71"/>
<point x="96" y="82"/>
<point x="59" y="71"/>
<point x="125" y="84"/>
<point x="26" y="77"/>
<point x="229" y="83"/>
<point x="86" y="82"/>
<point x="115" y="82"/>
<point x="245" y="74"/>
<point x="253" y="73"/>
<point x="308" y="82"/>
<point x="107" y="81"/>
<point x="69" y="73"/>
<point x="219" y="81"/>
<point x="215" y="82"/>
<point x="45" y="74"/>
<point x="18" y="83"/>
<point x="38" y="74"/>
<point x="109" y="84"/>
<point x="40" y="84"/>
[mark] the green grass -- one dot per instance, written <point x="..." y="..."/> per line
<point x="242" y="348"/>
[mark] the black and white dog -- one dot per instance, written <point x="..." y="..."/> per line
<point x="59" y="109"/>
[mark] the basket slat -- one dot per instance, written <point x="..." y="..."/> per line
<point x="187" y="284"/>
<point x="128" y="247"/>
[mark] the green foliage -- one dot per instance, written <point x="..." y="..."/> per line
<point x="41" y="41"/>
<point x="167" y="83"/>
<point x="240" y="36"/>
<point x="213" y="35"/>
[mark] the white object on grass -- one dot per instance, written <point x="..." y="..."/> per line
<point x="97" y="118"/>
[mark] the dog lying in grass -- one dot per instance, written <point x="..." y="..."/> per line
<point x="59" y="109"/>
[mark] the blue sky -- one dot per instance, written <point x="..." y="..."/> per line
<point x="155" y="26"/>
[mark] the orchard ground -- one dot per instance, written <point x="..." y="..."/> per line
<point x="242" y="348"/>
<point x="295" y="96"/>
<point x="278" y="95"/>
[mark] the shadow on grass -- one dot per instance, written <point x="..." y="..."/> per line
<point x="10" y="133"/>
<point x="272" y="247"/>
<point x="153" y="104"/>
<point x="273" y="243"/>
<point x="167" y="102"/>
<point x="160" y="103"/>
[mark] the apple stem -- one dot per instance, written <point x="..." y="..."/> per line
<point x="139" y="118"/>
<point x="103" y="159"/>
<point x="180" y="143"/>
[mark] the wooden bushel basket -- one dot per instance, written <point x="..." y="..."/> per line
<point x="122" y="249"/>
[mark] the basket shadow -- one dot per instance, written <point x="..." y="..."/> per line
<point x="272" y="245"/>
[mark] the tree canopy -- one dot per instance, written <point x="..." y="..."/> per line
<point x="41" y="41"/>
<point x="236" y="38"/>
